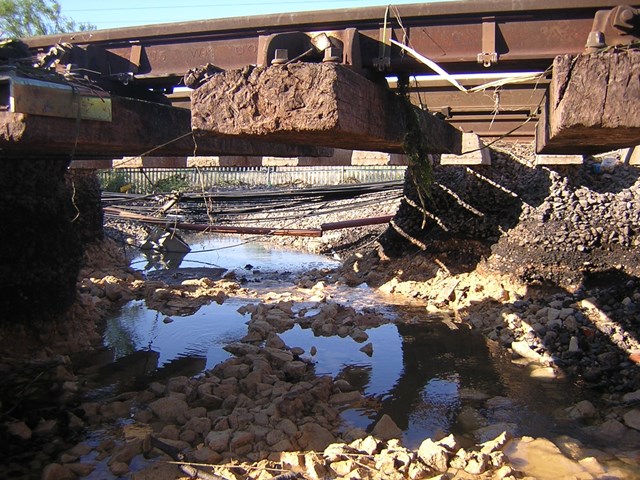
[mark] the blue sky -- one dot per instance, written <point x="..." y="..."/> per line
<point x="127" y="13"/>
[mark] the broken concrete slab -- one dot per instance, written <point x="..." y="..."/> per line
<point x="592" y="104"/>
<point x="474" y="152"/>
<point x="318" y="104"/>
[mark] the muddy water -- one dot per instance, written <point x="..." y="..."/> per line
<point x="421" y="372"/>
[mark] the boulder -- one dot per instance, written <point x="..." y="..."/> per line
<point x="169" y="409"/>
<point x="433" y="455"/>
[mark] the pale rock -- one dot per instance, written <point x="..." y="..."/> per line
<point x="169" y="409"/>
<point x="523" y="349"/>
<point x="367" y="349"/>
<point x="195" y="413"/>
<point x="359" y="335"/>
<point x="315" y="437"/>
<point x="631" y="396"/>
<point x="368" y="445"/>
<point x="295" y="369"/>
<point x="342" y="468"/>
<point x="492" y="431"/>
<point x="171" y="432"/>
<point x="449" y="442"/>
<point x="315" y="468"/>
<point x="591" y="465"/>
<point x="206" y="455"/>
<point x="55" y="471"/>
<point x="46" y="427"/>
<point x="287" y="426"/>
<point x="632" y="419"/>
<point x="611" y="430"/>
<point x="80" y="449"/>
<point x="274" y="341"/>
<point x="188" y="436"/>
<point x="284" y="445"/>
<point x="544" y="373"/>
<point x="573" y="344"/>
<point x="470" y="419"/>
<point x="218" y="441"/>
<point x="241" y="349"/>
<point x="125" y="453"/>
<point x="433" y="455"/>
<point x="496" y="444"/>
<point x="503" y="472"/>
<point x="119" y="468"/>
<point x="20" y="430"/>
<point x="581" y="410"/>
<point x="200" y="425"/>
<point x="541" y="458"/>
<point x="241" y="439"/>
<point x="337" y="451"/>
<point x="477" y="464"/>
<point x="178" y="384"/>
<point x="345" y="398"/>
<point x="417" y="471"/>
<point x="293" y="461"/>
<point x="386" y="429"/>
<point x="81" y="469"/>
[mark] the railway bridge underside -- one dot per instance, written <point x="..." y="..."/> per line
<point x="313" y="86"/>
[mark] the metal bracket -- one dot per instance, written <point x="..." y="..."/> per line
<point x="135" y="56"/>
<point x="617" y="27"/>
<point x="19" y="94"/>
<point x="383" y="62"/>
<point x="489" y="55"/>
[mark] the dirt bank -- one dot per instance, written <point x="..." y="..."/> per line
<point x="265" y="413"/>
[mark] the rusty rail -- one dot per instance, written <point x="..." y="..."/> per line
<point x="294" y="232"/>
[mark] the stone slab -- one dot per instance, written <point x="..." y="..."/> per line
<point x="473" y="152"/>
<point x="313" y="104"/>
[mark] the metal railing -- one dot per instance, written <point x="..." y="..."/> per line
<point x="139" y="180"/>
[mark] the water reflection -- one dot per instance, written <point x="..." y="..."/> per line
<point x="415" y="374"/>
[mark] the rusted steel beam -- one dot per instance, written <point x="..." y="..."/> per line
<point x="593" y="104"/>
<point x="450" y="33"/>
<point x="294" y="232"/>
<point x="137" y="127"/>
<point x="358" y="222"/>
<point x="322" y="104"/>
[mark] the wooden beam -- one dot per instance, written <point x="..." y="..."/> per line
<point x="137" y="127"/>
<point x="592" y="105"/>
<point x="312" y="103"/>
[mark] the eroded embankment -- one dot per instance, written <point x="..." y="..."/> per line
<point x="266" y="409"/>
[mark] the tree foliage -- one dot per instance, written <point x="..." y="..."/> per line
<point x="26" y="18"/>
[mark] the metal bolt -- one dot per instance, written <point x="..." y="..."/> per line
<point x="281" y="56"/>
<point x="595" y="40"/>
<point x="332" y="55"/>
<point x="624" y="16"/>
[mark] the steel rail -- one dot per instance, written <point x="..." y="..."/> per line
<point x="528" y="32"/>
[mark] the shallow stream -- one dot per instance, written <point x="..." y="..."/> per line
<point x="423" y="372"/>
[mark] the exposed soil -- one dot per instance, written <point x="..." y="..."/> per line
<point x="265" y="414"/>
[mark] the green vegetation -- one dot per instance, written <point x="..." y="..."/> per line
<point x="176" y="182"/>
<point x="26" y="18"/>
<point x="420" y="167"/>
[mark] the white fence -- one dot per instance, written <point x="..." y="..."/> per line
<point x="139" y="180"/>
